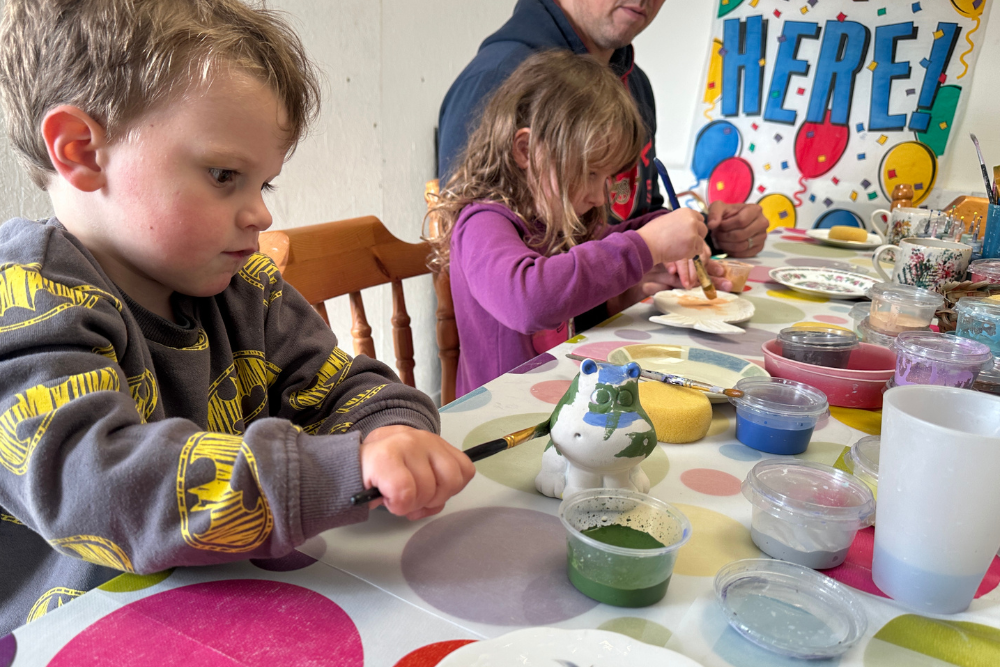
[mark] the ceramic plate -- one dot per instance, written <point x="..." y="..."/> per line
<point x="689" y="309"/>
<point x="823" y="236"/>
<point x="556" y="647"/>
<point x="833" y="283"/>
<point x="694" y="363"/>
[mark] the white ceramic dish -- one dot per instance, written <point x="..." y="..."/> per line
<point x="694" y="363"/>
<point x="689" y="309"/>
<point x="832" y="283"/>
<point x="556" y="647"/>
<point x="823" y="236"/>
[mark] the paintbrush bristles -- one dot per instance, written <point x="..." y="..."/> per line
<point x="990" y="195"/>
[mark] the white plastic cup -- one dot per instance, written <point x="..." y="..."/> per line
<point x="938" y="496"/>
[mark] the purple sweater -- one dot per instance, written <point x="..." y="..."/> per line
<point x="504" y="291"/>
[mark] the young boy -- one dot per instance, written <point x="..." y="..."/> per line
<point x="165" y="399"/>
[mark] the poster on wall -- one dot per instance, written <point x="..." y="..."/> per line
<point x="817" y="109"/>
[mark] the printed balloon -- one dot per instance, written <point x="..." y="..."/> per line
<point x="731" y="181"/>
<point x="967" y="8"/>
<point x="819" y="146"/>
<point x="778" y="209"/>
<point x="716" y="141"/>
<point x="838" y="217"/>
<point x="911" y="163"/>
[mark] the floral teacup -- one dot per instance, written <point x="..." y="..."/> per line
<point x="927" y="263"/>
<point x="901" y="223"/>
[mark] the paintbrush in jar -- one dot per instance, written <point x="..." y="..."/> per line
<point x="476" y="453"/>
<point x="675" y="380"/>
<point x="986" y="176"/>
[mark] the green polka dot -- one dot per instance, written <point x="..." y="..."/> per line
<point x="917" y="640"/>
<point x="128" y="583"/>
<point x="796" y="296"/>
<point x="518" y="467"/>
<point x="647" y="632"/>
<point x="579" y="338"/>
<point x="821" y="452"/>
<point x="841" y="463"/>
<point x="770" y="311"/>
<point x="809" y="250"/>
<point x="720" y="424"/>
<point x="608" y="322"/>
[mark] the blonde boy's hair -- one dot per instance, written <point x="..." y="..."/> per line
<point x="116" y="59"/>
<point x="582" y="119"/>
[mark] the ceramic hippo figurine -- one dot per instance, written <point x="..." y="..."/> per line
<point x="600" y="434"/>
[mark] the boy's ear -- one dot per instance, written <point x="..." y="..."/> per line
<point x="73" y="140"/>
<point x="521" y="140"/>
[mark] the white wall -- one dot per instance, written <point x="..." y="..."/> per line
<point x="387" y="65"/>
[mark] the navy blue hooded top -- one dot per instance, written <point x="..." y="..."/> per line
<point x="539" y="25"/>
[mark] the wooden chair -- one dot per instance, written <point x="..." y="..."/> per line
<point x="344" y="257"/>
<point x="447" y="330"/>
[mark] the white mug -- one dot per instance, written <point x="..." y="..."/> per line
<point x="901" y="223"/>
<point x="927" y="263"/>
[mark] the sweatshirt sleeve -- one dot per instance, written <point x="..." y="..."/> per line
<point x="81" y="466"/>
<point x="528" y="292"/>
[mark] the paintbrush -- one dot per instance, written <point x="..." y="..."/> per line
<point x="707" y="286"/>
<point x="675" y="380"/>
<point x="475" y="454"/>
<point x="986" y="175"/>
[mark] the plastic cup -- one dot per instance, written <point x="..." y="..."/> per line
<point x="937" y="529"/>
<point x="862" y="460"/>
<point x="736" y="273"/>
<point x="806" y="513"/>
<point x="979" y="319"/>
<point x="985" y="269"/>
<point x="927" y="357"/>
<point x="609" y="532"/>
<point x="898" y="308"/>
<point x="875" y="337"/>
<point x="818" y="345"/>
<point x="777" y="416"/>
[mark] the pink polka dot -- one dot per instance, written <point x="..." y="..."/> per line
<point x="254" y="623"/>
<point x="794" y="230"/>
<point x="550" y="391"/>
<point x="856" y="570"/>
<point x="711" y="482"/>
<point x="598" y="351"/>
<point x="830" y="319"/>
<point x="760" y="274"/>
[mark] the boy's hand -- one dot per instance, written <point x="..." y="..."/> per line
<point x="738" y="229"/>
<point x="416" y="471"/>
<point x="675" y="235"/>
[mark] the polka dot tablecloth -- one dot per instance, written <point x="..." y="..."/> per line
<point x="399" y="594"/>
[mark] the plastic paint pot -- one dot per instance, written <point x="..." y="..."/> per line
<point x="622" y="545"/>
<point x="979" y="319"/>
<point x="926" y="357"/>
<point x="862" y="459"/>
<point x="806" y="513"/>
<point x="897" y="308"/>
<point x="818" y="345"/>
<point x="777" y="416"/>
<point x="985" y="269"/>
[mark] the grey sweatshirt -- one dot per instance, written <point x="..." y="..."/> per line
<point x="130" y="443"/>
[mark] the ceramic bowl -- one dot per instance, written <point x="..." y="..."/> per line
<point x="860" y="385"/>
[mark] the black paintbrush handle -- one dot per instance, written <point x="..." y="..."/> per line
<point x="475" y="454"/>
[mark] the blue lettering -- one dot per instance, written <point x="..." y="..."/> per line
<point x="886" y="71"/>
<point x="944" y="47"/>
<point x="843" y="51"/>
<point x="744" y="45"/>
<point x="784" y="67"/>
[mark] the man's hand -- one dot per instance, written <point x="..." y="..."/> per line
<point x="738" y="230"/>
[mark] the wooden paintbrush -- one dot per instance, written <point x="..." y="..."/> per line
<point x="675" y="380"/>
<point x="707" y="286"/>
<point x="475" y="454"/>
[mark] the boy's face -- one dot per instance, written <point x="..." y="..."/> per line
<point x="183" y="203"/>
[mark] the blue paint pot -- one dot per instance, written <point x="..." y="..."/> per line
<point x="777" y="416"/>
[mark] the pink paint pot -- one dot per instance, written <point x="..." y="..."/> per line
<point x="859" y="385"/>
<point x="985" y="269"/>
<point x="926" y="357"/>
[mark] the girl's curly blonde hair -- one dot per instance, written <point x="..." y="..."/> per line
<point x="582" y="119"/>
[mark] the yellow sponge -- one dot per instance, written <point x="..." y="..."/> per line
<point x="679" y="414"/>
<point x="845" y="233"/>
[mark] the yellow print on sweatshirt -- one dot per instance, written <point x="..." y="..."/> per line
<point x="10" y="518"/>
<point x="20" y="285"/>
<point x="96" y="550"/>
<point x="337" y="365"/>
<point x="42" y="401"/>
<point x="51" y="599"/>
<point x="143" y="390"/>
<point x="200" y="344"/>
<point x="363" y="397"/>
<point x="107" y="351"/>
<point x="240" y="393"/>
<point x="231" y="527"/>
<point x="256" y="264"/>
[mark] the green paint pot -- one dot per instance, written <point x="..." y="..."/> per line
<point x="622" y="545"/>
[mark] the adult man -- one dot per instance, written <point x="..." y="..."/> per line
<point x="605" y="29"/>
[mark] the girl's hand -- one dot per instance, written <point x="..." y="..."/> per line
<point x="688" y="277"/>
<point x="675" y="235"/>
<point x="415" y="470"/>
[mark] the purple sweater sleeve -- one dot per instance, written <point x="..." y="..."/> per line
<point x="528" y="292"/>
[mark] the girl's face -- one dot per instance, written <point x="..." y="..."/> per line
<point x="593" y="192"/>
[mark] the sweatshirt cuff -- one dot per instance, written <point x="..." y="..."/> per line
<point x="645" y="256"/>
<point x="330" y="473"/>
